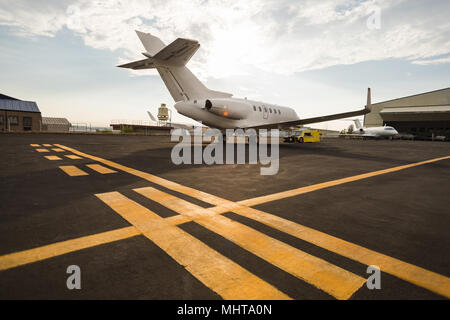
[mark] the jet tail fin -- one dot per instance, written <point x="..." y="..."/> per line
<point x="170" y="61"/>
<point x="151" y="116"/>
<point x="357" y="124"/>
<point x="151" y="43"/>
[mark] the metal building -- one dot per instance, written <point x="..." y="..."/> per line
<point x="423" y="115"/>
<point x="55" y="124"/>
<point x="18" y="116"/>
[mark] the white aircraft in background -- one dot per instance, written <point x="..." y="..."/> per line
<point x="214" y="108"/>
<point x="373" y="132"/>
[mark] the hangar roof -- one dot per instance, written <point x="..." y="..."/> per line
<point x="420" y="109"/>
<point x="55" y="121"/>
<point x="18" y="105"/>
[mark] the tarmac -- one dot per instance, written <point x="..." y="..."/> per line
<point x="140" y="227"/>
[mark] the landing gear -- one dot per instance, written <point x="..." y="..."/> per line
<point x="300" y="140"/>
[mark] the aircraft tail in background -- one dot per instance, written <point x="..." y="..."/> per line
<point x="151" y="116"/>
<point x="357" y="124"/>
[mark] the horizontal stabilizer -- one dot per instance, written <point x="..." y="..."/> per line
<point x="139" y="65"/>
<point x="179" y="52"/>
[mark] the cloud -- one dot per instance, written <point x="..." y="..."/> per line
<point x="432" y="61"/>
<point x="277" y="36"/>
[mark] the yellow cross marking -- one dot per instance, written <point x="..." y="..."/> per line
<point x="242" y="235"/>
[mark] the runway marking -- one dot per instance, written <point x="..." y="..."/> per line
<point x="53" y="158"/>
<point x="421" y="277"/>
<point x="42" y="150"/>
<point x="73" y="171"/>
<point x="73" y="157"/>
<point x="206" y="197"/>
<point x="35" y="145"/>
<point x="319" y="186"/>
<point x="323" y="275"/>
<point x="47" y="145"/>
<point x="424" y="278"/>
<point x="100" y="169"/>
<point x="216" y="271"/>
<point x="17" y="259"/>
<point x="58" y="150"/>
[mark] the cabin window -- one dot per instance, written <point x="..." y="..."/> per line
<point x="279" y="112"/>
<point x="1" y="119"/>
<point x="270" y="110"/>
<point x="259" y="109"/>
<point x="265" y="109"/>
<point x="254" y="108"/>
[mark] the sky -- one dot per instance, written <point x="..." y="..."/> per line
<point x="317" y="57"/>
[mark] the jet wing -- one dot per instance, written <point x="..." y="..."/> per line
<point x="294" y="123"/>
<point x="138" y="65"/>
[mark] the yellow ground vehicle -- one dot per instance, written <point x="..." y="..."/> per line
<point x="305" y="135"/>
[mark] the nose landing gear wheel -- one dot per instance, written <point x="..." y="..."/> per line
<point x="300" y="140"/>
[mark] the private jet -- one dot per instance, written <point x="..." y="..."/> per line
<point x="212" y="108"/>
<point x="385" y="132"/>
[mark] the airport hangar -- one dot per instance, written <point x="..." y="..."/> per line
<point x="17" y="115"/>
<point x="20" y="116"/>
<point x="422" y="115"/>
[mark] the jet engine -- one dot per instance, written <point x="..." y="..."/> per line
<point x="228" y="108"/>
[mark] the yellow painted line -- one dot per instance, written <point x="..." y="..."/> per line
<point x="47" y="145"/>
<point x="206" y="197"/>
<point x="100" y="169"/>
<point x="73" y="171"/>
<point x="73" y="157"/>
<point x="217" y="272"/>
<point x="222" y="203"/>
<point x="319" y="186"/>
<point x="21" y="258"/>
<point x="332" y="279"/>
<point x="421" y="277"/>
<point x="35" y="145"/>
<point x="53" y="158"/>
<point x="42" y="150"/>
<point x="58" y="149"/>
